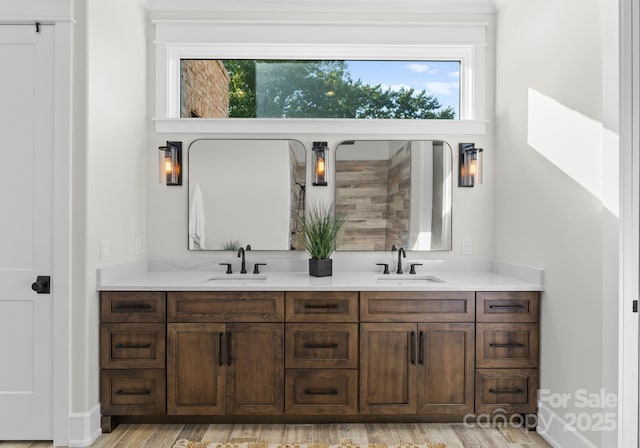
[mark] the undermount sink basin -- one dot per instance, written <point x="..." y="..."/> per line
<point x="236" y="277"/>
<point x="410" y="277"/>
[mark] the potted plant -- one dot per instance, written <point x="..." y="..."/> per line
<point x="320" y="227"/>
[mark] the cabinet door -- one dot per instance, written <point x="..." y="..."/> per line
<point x="388" y="368"/>
<point x="445" y="368"/>
<point x="255" y="369"/>
<point x="195" y="369"/>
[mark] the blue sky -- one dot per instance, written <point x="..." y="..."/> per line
<point x="439" y="78"/>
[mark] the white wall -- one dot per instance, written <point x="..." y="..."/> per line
<point x="549" y="181"/>
<point x="47" y="9"/>
<point x="109" y="166"/>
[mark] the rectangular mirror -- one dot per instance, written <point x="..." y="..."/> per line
<point x="245" y="192"/>
<point x="394" y="193"/>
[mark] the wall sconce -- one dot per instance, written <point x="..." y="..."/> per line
<point x="470" y="173"/>
<point x="320" y="158"/>
<point x="170" y="163"/>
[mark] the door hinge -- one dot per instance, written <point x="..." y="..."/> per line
<point x="635" y="306"/>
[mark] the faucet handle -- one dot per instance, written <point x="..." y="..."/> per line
<point x="228" y="265"/>
<point x="413" y="267"/>
<point x="256" y="267"/>
<point x="386" y="267"/>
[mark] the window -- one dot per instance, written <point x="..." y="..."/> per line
<point x="455" y="49"/>
<point x="249" y="88"/>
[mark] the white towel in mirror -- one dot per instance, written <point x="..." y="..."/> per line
<point x="196" y="221"/>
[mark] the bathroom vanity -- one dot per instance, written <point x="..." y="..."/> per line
<point x="290" y="348"/>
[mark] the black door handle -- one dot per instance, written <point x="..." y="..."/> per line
<point x="42" y="285"/>
<point x="422" y="349"/>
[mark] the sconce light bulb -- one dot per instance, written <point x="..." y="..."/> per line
<point x="320" y="168"/>
<point x="168" y="166"/>
<point x="473" y="169"/>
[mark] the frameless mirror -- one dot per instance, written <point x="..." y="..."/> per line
<point x="394" y="193"/>
<point x="245" y="192"/>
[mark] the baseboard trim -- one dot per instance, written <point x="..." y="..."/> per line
<point x="84" y="428"/>
<point x="552" y="428"/>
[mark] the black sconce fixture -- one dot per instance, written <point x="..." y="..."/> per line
<point x="170" y="163"/>
<point x="470" y="161"/>
<point x="320" y="158"/>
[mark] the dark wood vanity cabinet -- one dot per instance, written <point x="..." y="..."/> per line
<point x="507" y="352"/>
<point x="321" y="353"/>
<point x="132" y="354"/>
<point x="225" y="366"/>
<point x="415" y="367"/>
<point x="409" y="356"/>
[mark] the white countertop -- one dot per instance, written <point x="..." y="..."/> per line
<point x="154" y="276"/>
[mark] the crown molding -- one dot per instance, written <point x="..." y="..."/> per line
<point x="325" y="6"/>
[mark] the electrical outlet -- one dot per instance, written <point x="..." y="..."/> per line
<point x="105" y="250"/>
<point x="467" y="246"/>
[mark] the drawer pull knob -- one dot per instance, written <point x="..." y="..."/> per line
<point x="139" y="346"/>
<point x="506" y="391"/>
<point x="507" y="307"/>
<point x="506" y="345"/>
<point x="134" y="392"/>
<point x="328" y="306"/>
<point x="308" y="345"/>
<point x="321" y="391"/>
<point x="132" y="306"/>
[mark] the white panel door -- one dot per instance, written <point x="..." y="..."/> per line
<point x="26" y="151"/>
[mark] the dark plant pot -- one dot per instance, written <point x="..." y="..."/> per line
<point x="320" y="268"/>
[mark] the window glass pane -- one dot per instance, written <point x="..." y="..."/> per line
<point x="243" y="88"/>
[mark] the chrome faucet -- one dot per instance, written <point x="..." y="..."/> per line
<point x="243" y="268"/>
<point x="401" y="254"/>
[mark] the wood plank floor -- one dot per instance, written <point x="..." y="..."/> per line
<point x="454" y="435"/>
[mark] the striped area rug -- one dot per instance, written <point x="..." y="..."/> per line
<point x="190" y="444"/>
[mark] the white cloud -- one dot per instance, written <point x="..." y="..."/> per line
<point x="455" y="74"/>
<point x="418" y="68"/>
<point x="441" y="88"/>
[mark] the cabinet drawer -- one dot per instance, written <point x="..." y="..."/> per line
<point x="321" y="346"/>
<point x="420" y="306"/>
<point x="512" y="390"/>
<point x="132" y="392"/>
<point x="507" y="307"/>
<point x="138" y="306"/>
<point x="321" y="306"/>
<point x="512" y="345"/>
<point x="321" y="392"/>
<point x="225" y="306"/>
<point x="132" y="346"/>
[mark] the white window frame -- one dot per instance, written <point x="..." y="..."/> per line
<point x="176" y="40"/>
